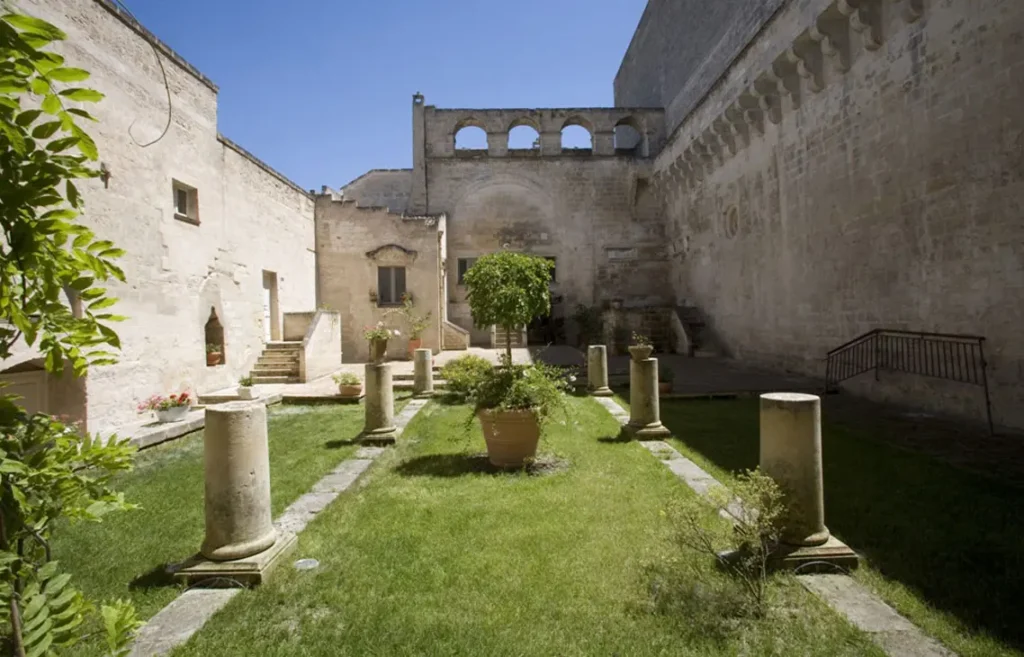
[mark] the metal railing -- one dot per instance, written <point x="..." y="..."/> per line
<point x="947" y="356"/>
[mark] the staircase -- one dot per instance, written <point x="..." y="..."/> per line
<point x="498" y="340"/>
<point x="702" y="342"/>
<point x="279" y="363"/>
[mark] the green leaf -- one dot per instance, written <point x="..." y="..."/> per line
<point x="35" y="603"/>
<point x="58" y="145"/>
<point x="83" y="95"/>
<point x="34" y="25"/>
<point x="40" y="648"/>
<point x="68" y="74"/>
<point x="46" y="130"/>
<point x="82" y="113"/>
<point x="27" y="117"/>
<point x="86" y="145"/>
<point x="102" y="303"/>
<point x="40" y="86"/>
<point x="51" y="104"/>
<point x="73" y="197"/>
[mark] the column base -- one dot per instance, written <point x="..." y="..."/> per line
<point x="250" y="571"/>
<point x="602" y="392"/>
<point x="385" y="436"/>
<point x="653" y="431"/>
<point x="426" y="394"/>
<point x="828" y="557"/>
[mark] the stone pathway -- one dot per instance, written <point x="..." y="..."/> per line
<point x="178" y="621"/>
<point x="896" y="635"/>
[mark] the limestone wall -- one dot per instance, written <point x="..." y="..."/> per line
<point x="890" y="198"/>
<point x="386" y="188"/>
<point x="353" y="242"/>
<point x="595" y="216"/>
<point x="250" y="219"/>
<point x="321" y="353"/>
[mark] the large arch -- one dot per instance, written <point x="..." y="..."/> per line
<point x="577" y="135"/>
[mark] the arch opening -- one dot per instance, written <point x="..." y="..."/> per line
<point x="214" y="336"/>
<point x="470" y="138"/>
<point x="523" y="138"/>
<point x="577" y="139"/>
<point x="629" y="138"/>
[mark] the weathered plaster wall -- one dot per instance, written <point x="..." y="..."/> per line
<point x="345" y="235"/>
<point x="321" y="354"/>
<point x="251" y="219"/>
<point x="891" y="198"/>
<point x="681" y="47"/>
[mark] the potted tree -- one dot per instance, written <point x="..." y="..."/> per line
<point x="245" y="389"/>
<point x="213" y="354"/>
<point x="378" y="336"/>
<point x="349" y="385"/>
<point x="641" y="348"/>
<point x="172" y="408"/>
<point x="665" y="378"/>
<point x="508" y="290"/>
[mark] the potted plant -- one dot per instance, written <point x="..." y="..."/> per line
<point x="509" y="290"/>
<point x="349" y="384"/>
<point x="172" y="408"/>
<point x="245" y="389"/>
<point x="665" y="378"/>
<point x="417" y="323"/>
<point x="213" y="354"/>
<point x="641" y="349"/>
<point x="378" y="336"/>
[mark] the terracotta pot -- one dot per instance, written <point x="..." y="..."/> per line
<point x="414" y="345"/>
<point x="511" y="436"/>
<point x="246" y="392"/>
<point x="641" y="352"/>
<point x="378" y="350"/>
<point x="350" y="391"/>
<point x="664" y="387"/>
<point x="213" y="358"/>
<point x="173" y="414"/>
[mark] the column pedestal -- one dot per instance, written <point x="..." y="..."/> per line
<point x="644" y="406"/>
<point x="380" y="405"/>
<point x="597" y="371"/>
<point x="423" y="373"/>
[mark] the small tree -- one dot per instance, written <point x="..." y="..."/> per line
<point x="47" y="470"/>
<point x="509" y="290"/>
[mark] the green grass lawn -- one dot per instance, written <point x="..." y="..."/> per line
<point x="126" y="555"/>
<point x="944" y="546"/>
<point x="437" y="554"/>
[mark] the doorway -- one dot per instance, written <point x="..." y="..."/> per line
<point x="271" y="312"/>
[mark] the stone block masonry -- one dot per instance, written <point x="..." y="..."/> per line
<point x="859" y="166"/>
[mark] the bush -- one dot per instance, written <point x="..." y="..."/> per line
<point x="347" y="379"/>
<point x="538" y="387"/>
<point x="464" y="374"/>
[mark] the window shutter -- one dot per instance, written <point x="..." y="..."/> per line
<point x="399" y="284"/>
<point x="384" y="284"/>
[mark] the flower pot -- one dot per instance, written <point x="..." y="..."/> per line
<point x="414" y="344"/>
<point x="511" y="436"/>
<point x="664" y="387"/>
<point x="173" y="414"/>
<point x="350" y="391"/>
<point x="378" y="350"/>
<point x="213" y="358"/>
<point x="246" y="392"/>
<point x="639" y="352"/>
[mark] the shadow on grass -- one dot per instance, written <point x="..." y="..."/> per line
<point x="158" y="577"/>
<point x="953" y="537"/>
<point x="338" y="444"/>
<point x="459" y="465"/>
<point x="622" y="437"/>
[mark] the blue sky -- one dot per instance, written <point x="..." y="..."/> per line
<point x="322" y="89"/>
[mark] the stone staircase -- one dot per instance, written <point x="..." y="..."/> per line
<point x="404" y="380"/>
<point x="279" y="363"/>
<point x="498" y="340"/>
<point x="702" y="342"/>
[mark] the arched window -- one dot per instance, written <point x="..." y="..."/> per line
<point x="214" y="332"/>
<point x="470" y="138"/>
<point x="523" y="137"/>
<point x="576" y="137"/>
<point x="629" y="137"/>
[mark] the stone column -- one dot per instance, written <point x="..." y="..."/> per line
<point x="597" y="371"/>
<point x="423" y="373"/>
<point x="791" y="455"/>
<point x="380" y="404"/>
<point x="644" y="408"/>
<point x="237" y="465"/>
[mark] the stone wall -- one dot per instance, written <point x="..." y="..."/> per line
<point x="386" y="188"/>
<point x="352" y="242"/>
<point x="321" y="351"/>
<point x="856" y="170"/>
<point x="682" y="47"/>
<point x="250" y="219"/>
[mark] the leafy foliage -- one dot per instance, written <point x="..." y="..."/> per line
<point x="379" y="331"/>
<point x="44" y="253"/>
<point x="48" y="471"/>
<point x="589" y="324"/>
<point x="641" y="340"/>
<point x="417" y="323"/>
<point x="756" y="509"/>
<point x="537" y="387"/>
<point x="509" y="290"/>
<point x="347" y="379"/>
<point x="464" y="374"/>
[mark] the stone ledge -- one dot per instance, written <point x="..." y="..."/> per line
<point x="251" y="571"/>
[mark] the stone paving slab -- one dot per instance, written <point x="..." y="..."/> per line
<point x="896" y="635"/>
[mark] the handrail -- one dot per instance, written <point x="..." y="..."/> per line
<point x="949" y="356"/>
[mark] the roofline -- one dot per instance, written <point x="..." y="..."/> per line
<point x="263" y="165"/>
<point x="360" y="177"/>
<point x="141" y="30"/>
<point x="632" y="41"/>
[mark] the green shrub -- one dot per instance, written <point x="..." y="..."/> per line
<point x="464" y="374"/>
<point x="537" y="387"/>
<point x="347" y="379"/>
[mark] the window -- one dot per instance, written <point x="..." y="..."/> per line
<point x="553" y="261"/>
<point x="186" y="202"/>
<point x="464" y="265"/>
<point x="390" y="285"/>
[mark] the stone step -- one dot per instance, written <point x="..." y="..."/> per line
<point x="274" y="371"/>
<point x="274" y="379"/>
<point x="279" y="358"/>
<point x="283" y="346"/>
<point x="407" y="385"/>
